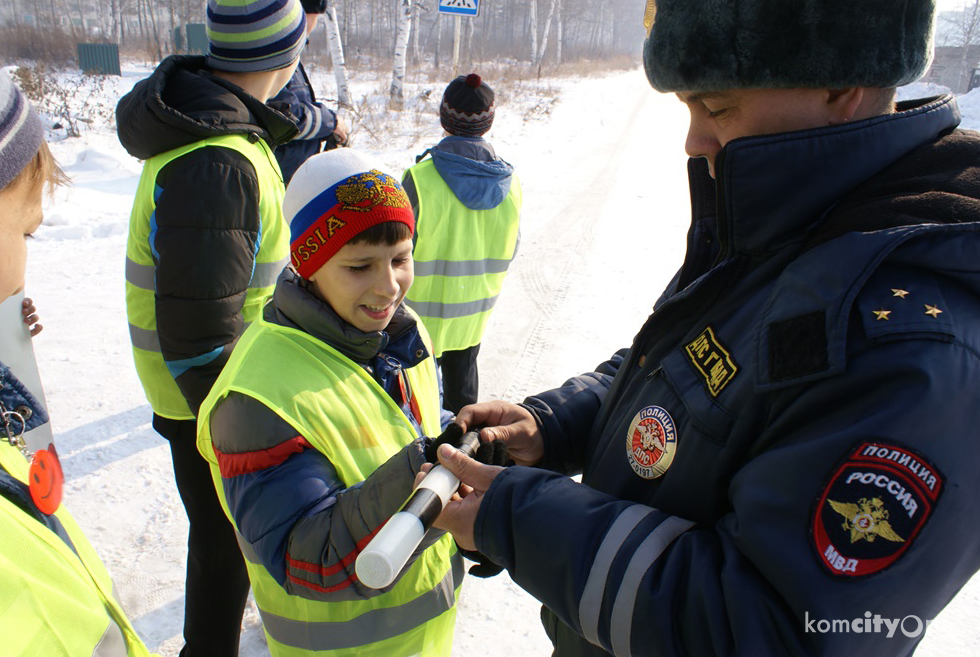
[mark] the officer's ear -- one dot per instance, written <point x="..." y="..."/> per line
<point x="844" y="105"/>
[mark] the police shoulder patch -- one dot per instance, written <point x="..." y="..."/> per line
<point x="873" y="506"/>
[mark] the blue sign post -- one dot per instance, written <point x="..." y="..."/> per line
<point x="460" y="7"/>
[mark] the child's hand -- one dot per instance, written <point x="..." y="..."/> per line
<point x="30" y="316"/>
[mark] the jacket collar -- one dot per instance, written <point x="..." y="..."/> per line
<point x="182" y="102"/>
<point x="772" y="189"/>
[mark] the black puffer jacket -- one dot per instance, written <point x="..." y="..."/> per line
<point x="207" y="210"/>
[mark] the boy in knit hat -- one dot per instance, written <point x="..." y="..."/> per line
<point x="467" y="202"/>
<point x="313" y="430"/>
<point x="56" y="593"/>
<point x="207" y="241"/>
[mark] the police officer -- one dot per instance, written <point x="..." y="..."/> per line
<point x="787" y="447"/>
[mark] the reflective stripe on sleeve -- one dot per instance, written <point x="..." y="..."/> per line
<point x="591" y="602"/>
<point x="621" y="624"/>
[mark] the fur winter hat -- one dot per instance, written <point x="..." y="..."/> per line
<point x="254" y="35"/>
<point x="467" y="106"/>
<point x="20" y="130"/>
<point x="332" y="198"/>
<point x="713" y="45"/>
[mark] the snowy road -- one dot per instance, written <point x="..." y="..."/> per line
<point x="605" y="215"/>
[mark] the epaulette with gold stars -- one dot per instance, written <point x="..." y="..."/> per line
<point x="900" y="303"/>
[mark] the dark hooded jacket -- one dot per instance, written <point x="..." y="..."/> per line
<point x="786" y="461"/>
<point x="207" y="218"/>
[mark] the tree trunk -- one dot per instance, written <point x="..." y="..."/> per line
<point x="438" y="38"/>
<point x="337" y="57"/>
<point x="532" y="24"/>
<point x="559" y="34"/>
<point x="401" y="47"/>
<point x="539" y="57"/>
<point x="415" y="35"/>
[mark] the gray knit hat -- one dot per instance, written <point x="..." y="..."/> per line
<point x="254" y="35"/>
<point x="20" y="130"/>
<point x="713" y="45"/>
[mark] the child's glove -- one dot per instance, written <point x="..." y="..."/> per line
<point x="489" y="453"/>
<point x="484" y="567"/>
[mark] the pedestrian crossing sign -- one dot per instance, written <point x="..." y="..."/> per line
<point x="460" y="7"/>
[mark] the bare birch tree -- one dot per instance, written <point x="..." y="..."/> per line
<point x="401" y="47"/>
<point x="538" y="57"/>
<point x="337" y="57"/>
<point x="532" y="25"/>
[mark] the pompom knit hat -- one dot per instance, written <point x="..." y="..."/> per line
<point x="332" y="198"/>
<point x="247" y="36"/>
<point x="20" y="131"/>
<point x="715" y="45"/>
<point x="467" y="106"/>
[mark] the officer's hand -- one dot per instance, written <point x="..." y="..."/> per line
<point x="510" y="424"/>
<point x="459" y="515"/>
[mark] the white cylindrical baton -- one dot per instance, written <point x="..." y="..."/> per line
<point x="388" y="552"/>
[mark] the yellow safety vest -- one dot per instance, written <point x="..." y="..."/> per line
<point x="55" y="601"/>
<point x="158" y="384"/>
<point x="461" y="259"/>
<point x="346" y="415"/>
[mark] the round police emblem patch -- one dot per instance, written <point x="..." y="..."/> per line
<point x="651" y="442"/>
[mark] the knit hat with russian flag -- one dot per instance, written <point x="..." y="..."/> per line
<point x="248" y="36"/>
<point x="332" y="198"/>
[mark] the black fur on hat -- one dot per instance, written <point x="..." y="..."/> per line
<point x="714" y="45"/>
<point x="467" y="106"/>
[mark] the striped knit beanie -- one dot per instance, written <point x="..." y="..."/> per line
<point x="333" y="197"/>
<point x="467" y="107"/>
<point x="20" y="131"/>
<point x="248" y="36"/>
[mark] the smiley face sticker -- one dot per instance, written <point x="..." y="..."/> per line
<point x="46" y="480"/>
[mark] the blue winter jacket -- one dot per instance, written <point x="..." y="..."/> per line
<point x="313" y="119"/>
<point x="786" y="461"/>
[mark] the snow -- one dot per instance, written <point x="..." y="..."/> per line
<point x="602" y="165"/>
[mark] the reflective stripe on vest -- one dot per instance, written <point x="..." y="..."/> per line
<point x="60" y="598"/>
<point x="461" y="259"/>
<point x="381" y="624"/>
<point x="143" y="276"/>
<point x="273" y="254"/>
<point x="343" y="413"/>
